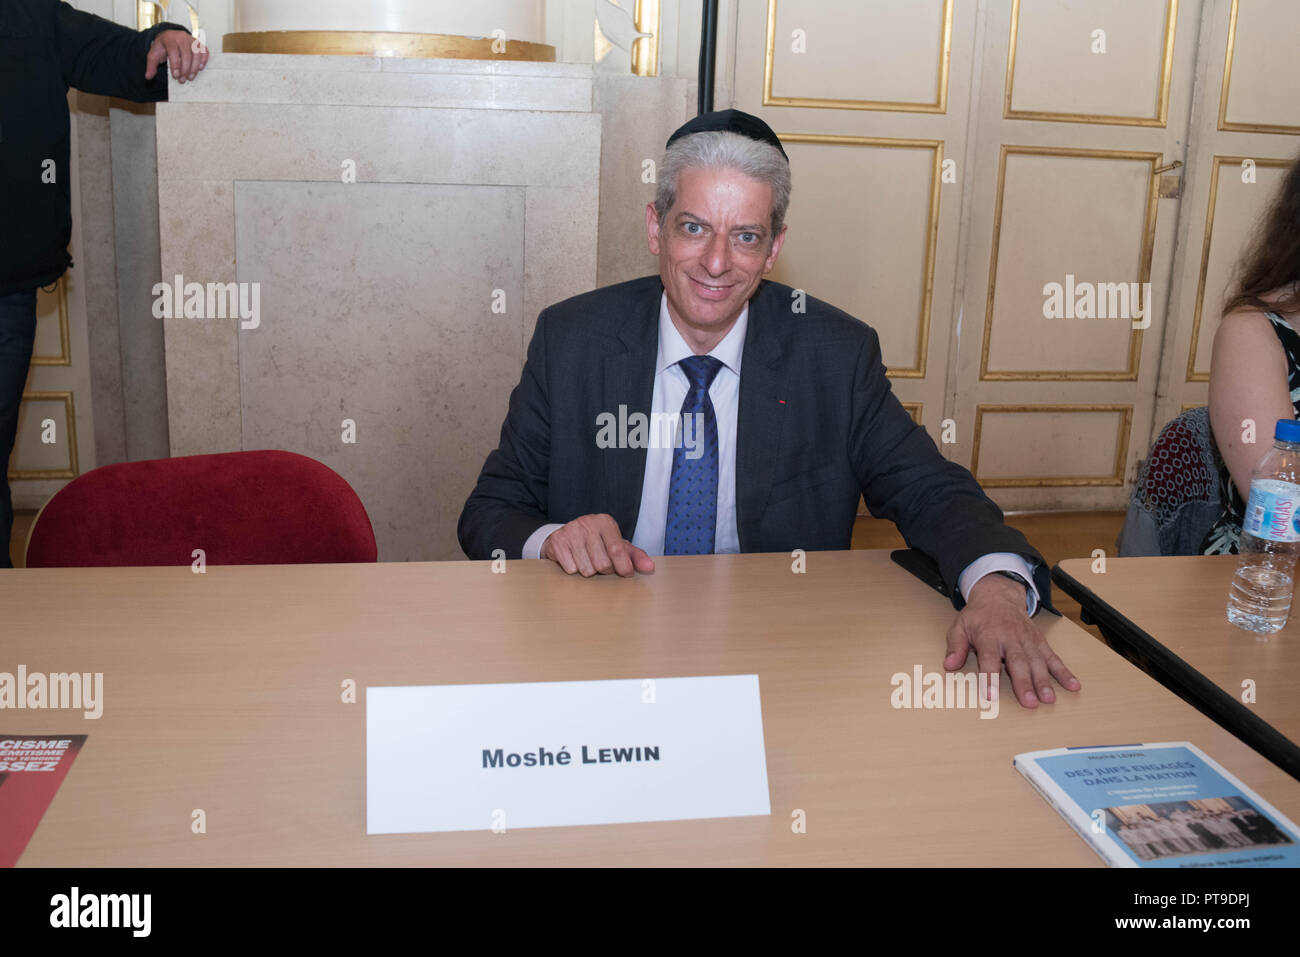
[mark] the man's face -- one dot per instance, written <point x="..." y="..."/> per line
<point x="715" y="246"/>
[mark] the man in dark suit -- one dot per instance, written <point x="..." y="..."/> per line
<point x="47" y="47"/>
<point x="768" y="460"/>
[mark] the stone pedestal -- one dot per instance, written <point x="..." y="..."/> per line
<point x="401" y="223"/>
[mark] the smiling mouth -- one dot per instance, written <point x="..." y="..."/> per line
<point x="714" y="289"/>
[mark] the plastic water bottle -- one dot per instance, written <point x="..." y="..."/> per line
<point x="1260" y="599"/>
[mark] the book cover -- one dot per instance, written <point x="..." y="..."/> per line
<point x="1161" y="805"/>
<point x="32" y="766"/>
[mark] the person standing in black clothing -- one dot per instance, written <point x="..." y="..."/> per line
<point x="46" y="47"/>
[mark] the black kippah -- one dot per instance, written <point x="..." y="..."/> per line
<point x="729" y="121"/>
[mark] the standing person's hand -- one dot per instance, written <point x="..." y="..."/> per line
<point x="176" y="47"/>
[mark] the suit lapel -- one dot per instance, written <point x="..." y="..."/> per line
<point x="761" y="416"/>
<point x="629" y="383"/>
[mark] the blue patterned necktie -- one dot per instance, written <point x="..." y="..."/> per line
<point x="693" y="488"/>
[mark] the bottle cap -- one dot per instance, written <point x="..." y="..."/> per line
<point x="1288" y="430"/>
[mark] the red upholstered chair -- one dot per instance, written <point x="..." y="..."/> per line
<point x="241" y="508"/>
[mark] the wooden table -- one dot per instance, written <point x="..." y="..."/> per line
<point x="223" y="692"/>
<point x="1169" y="616"/>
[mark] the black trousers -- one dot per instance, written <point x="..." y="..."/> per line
<point x="17" y="335"/>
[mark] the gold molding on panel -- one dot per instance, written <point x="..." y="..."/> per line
<point x="146" y="15"/>
<point x="1216" y="166"/>
<point x="70" y="430"/>
<point x="644" y="55"/>
<point x="1130" y="373"/>
<point x="940" y="104"/>
<point x="64" y="358"/>
<point x="1227" y="81"/>
<point x="645" y="50"/>
<point x="931" y="231"/>
<point x="1162" y="98"/>
<point x="1121" y="447"/>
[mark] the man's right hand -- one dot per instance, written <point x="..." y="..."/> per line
<point x="593" y="545"/>
<point x="185" y="54"/>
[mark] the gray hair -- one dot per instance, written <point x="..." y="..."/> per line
<point x="724" y="150"/>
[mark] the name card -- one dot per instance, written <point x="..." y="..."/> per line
<point x="552" y="754"/>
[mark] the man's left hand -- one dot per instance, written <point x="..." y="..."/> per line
<point x="176" y="47"/>
<point x="995" y="623"/>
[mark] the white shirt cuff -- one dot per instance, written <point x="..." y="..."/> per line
<point x="533" y="547"/>
<point x="999" y="562"/>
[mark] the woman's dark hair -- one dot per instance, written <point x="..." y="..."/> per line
<point x="1273" y="259"/>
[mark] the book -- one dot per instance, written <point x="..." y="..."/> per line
<point x="32" y="766"/>
<point x="1161" y="805"/>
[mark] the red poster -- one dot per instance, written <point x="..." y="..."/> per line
<point x="32" y="766"/>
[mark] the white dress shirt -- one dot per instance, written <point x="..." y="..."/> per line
<point x="670" y="388"/>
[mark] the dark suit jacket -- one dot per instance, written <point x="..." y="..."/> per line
<point x="817" y="423"/>
<point x="45" y="48"/>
